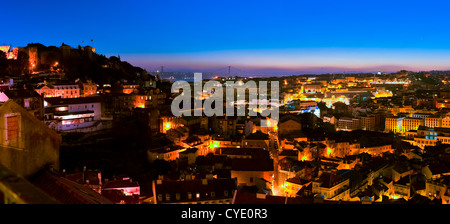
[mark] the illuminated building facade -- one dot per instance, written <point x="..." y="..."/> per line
<point x="46" y="91"/>
<point x="293" y="185"/>
<point x="60" y="90"/>
<point x="89" y="89"/>
<point x="329" y="101"/>
<point x="76" y="114"/>
<point x="376" y="150"/>
<point x="393" y="124"/>
<point x="349" y="124"/>
<point x="312" y="88"/>
<point x="67" y="90"/>
<point x="381" y="94"/>
<point x="431" y="136"/>
<point x="28" y="99"/>
<point x="435" y="122"/>
<point x="127" y="186"/>
<point x="332" y="186"/>
<point x="442" y="103"/>
<point x="169" y="153"/>
<point x="128" y="89"/>
<point x="446" y="122"/>
<point x="410" y="123"/>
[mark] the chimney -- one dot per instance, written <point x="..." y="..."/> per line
<point x="99" y="176"/>
<point x="83" y="177"/>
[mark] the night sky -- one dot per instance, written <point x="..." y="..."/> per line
<point x="308" y="36"/>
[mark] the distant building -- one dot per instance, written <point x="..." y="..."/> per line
<point x="59" y="90"/>
<point x="189" y="155"/>
<point x="293" y="186"/>
<point x="431" y="136"/>
<point x="130" y="88"/>
<point x="329" y="119"/>
<point x="312" y="88"/>
<point x="122" y="191"/>
<point x="402" y="124"/>
<point x="169" y="153"/>
<point x="349" y="124"/>
<point x="368" y="123"/>
<point x="28" y="99"/>
<point x="256" y="140"/>
<point x="393" y="124"/>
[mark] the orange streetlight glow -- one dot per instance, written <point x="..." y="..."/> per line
<point x="329" y="151"/>
<point x="167" y="125"/>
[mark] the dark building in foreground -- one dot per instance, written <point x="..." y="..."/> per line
<point x="194" y="191"/>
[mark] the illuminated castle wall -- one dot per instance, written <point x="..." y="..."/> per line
<point x="10" y="54"/>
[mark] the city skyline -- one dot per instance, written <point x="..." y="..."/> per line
<point x="227" y="103"/>
<point x="287" y="38"/>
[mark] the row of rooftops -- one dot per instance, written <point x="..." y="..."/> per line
<point x="193" y="190"/>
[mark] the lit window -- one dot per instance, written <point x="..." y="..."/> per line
<point x="167" y="197"/>
<point x="197" y="195"/>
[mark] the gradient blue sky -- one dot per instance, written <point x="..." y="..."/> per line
<point x="300" y="36"/>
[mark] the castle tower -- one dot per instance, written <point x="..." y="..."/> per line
<point x="33" y="57"/>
